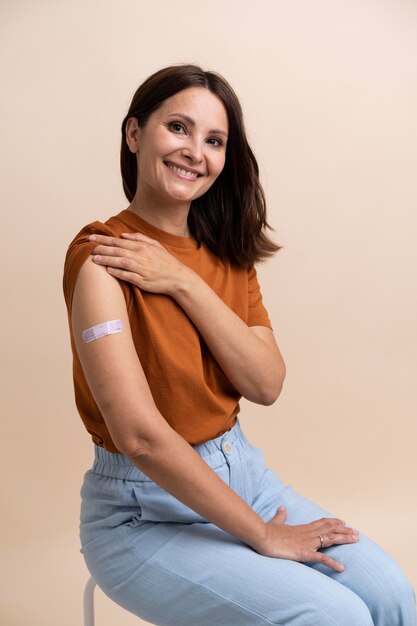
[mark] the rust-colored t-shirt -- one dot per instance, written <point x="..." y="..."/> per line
<point x="188" y="386"/>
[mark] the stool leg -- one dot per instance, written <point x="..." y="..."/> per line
<point x="89" y="602"/>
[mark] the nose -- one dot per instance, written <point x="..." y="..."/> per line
<point x="193" y="151"/>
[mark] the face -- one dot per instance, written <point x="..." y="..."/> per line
<point x="181" y="150"/>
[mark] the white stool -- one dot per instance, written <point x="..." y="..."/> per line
<point x="89" y="602"/>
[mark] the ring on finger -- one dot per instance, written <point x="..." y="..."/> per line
<point x="321" y="543"/>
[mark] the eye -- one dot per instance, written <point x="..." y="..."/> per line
<point x="217" y="142"/>
<point x="176" y="127"/>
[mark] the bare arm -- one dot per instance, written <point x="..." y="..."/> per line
<point x="118" y="384"/>
<point x="249" y="356"/>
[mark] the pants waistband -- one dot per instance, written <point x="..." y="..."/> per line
<point x="215" y="452"/>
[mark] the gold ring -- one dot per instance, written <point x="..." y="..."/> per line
<point x="321" y="543"/>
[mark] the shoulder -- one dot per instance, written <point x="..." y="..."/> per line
<point x="96" y="294"/>
<point x="100" y="228"/>
<point x="79" y="250"/>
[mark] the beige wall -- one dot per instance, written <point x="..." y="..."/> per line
<point x="329" y="92"/>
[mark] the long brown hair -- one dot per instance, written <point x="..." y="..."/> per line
<point x="230" y="218"/>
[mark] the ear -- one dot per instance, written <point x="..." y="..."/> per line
<point x="132" y="134"/>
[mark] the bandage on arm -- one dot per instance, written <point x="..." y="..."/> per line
<point x="101" y="330"/>
<point x="111" y="367"/>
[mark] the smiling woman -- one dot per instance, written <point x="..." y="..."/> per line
<point x="181" y="521"/>
<point x="177" y="160"/>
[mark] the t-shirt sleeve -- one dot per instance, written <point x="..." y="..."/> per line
<point x="78" y="251"/>
<point x="257" y="313"/>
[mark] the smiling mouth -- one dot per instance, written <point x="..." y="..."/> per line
<point x="182" y="173"/>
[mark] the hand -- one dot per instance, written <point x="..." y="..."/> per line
<point x="300" y="543"/>
<point x="140" y="260"/>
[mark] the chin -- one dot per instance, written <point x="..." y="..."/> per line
<point x="181" y="197"/>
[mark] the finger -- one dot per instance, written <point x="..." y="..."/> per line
<point x="333" y="529"/>
<point x="105" y="260"/>
<point x="118" y="262"/>
<point x="320" y="557"/>
<point x="116" y="251"/>
<point x="329" y="532"/>
<point x="332" y="521"/>
<point x="345" y="530"/>
<point x="338" y="539"/>
<point x="139" y="237"/>
<point x="280" y="516"/>
<point x="130" y="277"/>
<point x="105" y="240"/>
<point x="328" y="525"/>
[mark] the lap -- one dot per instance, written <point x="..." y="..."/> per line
<point x="173" y="573"/>
<point x="189" y="574"/>
<point x="169" y="572"/>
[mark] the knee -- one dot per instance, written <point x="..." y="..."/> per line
<point x="340" y="607"/>
<point x="350" y="612"/>
<point x="391" y="600"/>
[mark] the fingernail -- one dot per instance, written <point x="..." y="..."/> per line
<point x="92" y="237"/>
<point x="97" y="257"/>
<point x="341" y="568"/>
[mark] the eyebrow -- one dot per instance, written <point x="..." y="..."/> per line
<point x="190" y="120"/>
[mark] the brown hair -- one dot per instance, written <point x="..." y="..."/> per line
<point x="230" y="218"/>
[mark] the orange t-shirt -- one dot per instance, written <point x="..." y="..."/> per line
<point x="188" y="386"/>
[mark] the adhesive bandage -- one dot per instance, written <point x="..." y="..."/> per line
<point x="100" y="330"/>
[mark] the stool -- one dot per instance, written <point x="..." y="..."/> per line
<point x="88" y="602"/>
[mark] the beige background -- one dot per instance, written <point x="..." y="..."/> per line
<point x="329" y="93"/>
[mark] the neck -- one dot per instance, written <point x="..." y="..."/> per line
<point x="171" y="219"/>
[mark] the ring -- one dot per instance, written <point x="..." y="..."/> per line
<point x="321" y="543"/>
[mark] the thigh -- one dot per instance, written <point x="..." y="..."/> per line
<point x="370" y="572"/>
<point x="188" y="574"/>
<point x="159" y="560"/>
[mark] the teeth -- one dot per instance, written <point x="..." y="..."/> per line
<point x="182" y="172"/>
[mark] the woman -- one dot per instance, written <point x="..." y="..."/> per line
<point x="181" y="522"/>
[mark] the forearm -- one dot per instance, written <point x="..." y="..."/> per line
<point x="255" y="368"/>
<point x="174" y="465"/>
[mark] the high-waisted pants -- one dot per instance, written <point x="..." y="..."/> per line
<point x="159" y="559"/>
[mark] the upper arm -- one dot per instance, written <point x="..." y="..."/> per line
<point x="111" y="364"/>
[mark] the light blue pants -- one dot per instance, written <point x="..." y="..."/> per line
<point x="165" y="563"/>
